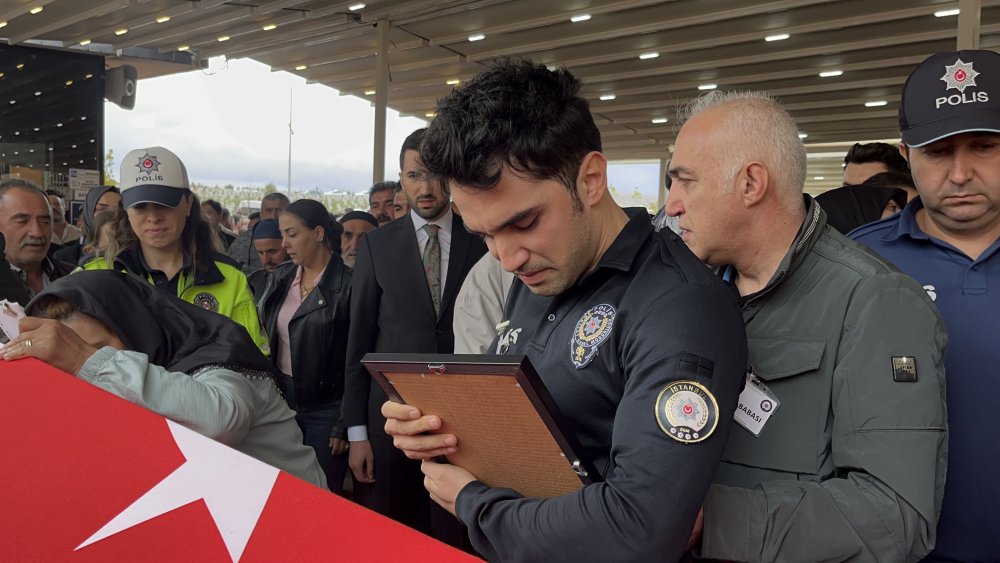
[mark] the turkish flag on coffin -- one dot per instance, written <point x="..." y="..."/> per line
<point x="88" y="476"/>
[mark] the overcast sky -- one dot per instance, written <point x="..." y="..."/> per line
<point x="229" y="125"/>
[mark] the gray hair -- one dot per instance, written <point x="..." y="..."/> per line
<point x="760" y="129"/>
<point x="23" y="184"/>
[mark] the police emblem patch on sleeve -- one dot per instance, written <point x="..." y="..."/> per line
<point x="591" y="330"/>
<point x="207" y="301"/>
<point x="687" y="411"/>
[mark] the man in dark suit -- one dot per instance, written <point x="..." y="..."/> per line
<point x="406" y="277"/>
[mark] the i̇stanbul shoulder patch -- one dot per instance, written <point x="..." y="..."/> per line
<point x="687" y="411"/>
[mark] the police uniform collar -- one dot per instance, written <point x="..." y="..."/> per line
<point x="623" y="250"/>
<point x="205" y="270"/>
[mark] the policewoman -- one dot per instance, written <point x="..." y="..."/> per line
<point x="163" y="239"/>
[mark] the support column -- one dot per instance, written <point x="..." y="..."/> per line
<point x="381" y="98"/>
<point x="968" y="24"/>
<point x="661" y="198"/>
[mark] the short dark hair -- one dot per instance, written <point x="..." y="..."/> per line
<point x="276" y="196"/>
<point x="313" y="214"/>
<point x="411" y="143"/>
<point x="254" y="215"/>
<point x="892" y="179"/>
<point x="877" y="152"/>
<point x="216" y="206"/>
<point x="519" y="115"/>
<point x="381" y="187"/>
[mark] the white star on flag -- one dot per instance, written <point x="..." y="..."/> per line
<point x="959" y="76"/>
<point x="235" y="488"/>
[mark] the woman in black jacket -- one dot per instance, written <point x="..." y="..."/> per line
<point x="306" y="315"/>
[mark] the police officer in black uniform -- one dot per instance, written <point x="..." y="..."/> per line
<point x="641" y="347"/>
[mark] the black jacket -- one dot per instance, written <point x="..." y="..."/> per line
<point x="317" y="332"/>
<point x="11" y="286"/>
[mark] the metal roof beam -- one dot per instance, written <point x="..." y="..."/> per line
<point x="232" y="13"/>
<point x="70" y="17"/>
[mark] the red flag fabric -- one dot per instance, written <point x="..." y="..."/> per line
<point x="88" y="476"/>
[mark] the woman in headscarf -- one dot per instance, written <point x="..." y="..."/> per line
<point x="102" y="199"/>
<point x="849" y="207"/>
<point x="187" y="364"/>
<point x="306" y="312"/>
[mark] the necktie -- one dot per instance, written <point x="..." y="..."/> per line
<point x="432" y="264"/>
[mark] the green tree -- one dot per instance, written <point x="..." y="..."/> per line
<point x="109" y="169"/>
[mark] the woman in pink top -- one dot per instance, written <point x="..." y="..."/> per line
<point x="307" y="316"/>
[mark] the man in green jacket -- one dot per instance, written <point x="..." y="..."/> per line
<point x="840" y="454"/>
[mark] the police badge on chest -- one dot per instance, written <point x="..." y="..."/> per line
<point x="593" y="328"/>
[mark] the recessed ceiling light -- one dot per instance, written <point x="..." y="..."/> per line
<point x="607" y="97"/>
<point x="36" y="10"/>
<point x="946" y="13"/>
<point x="830" y="73"/>
<point x="183" y="47"/>
<point x="430" y="114"/>
<point x="651" y="55"/>
<point x="369" y="92"/>
<point x="37" y="129"/>
<point x="778" y="37"/>
<point x="819" y="178"/>
<point x="59" y="124"/>
<point x="222" y="38"/>
<point x="72" y="146"/>
<point x="12" y="102"/>
<point x="477" y="37"/>
<point x="121" y="31"/>
<point x="580" y="18"/>
<point x="659" y="120"/>
<point x="708" y="86"/>
<point x="356" y="7"/>
<point x="38" y="93"/>
<point x="875" y="104"/>
<point x="269" y="27"/>
<point x="163" y="19"/>
<point x="69" y="82"/>
<point x="453" y="82"/>
<point x="88" y="76"/>
<point x="19" y="66"/>
<point x="85" y="42"/>
<point x="803" y="135"/>
<point x="301" y="67"/>
<point x="83" y="118"/>
<point x="3" y="23"/>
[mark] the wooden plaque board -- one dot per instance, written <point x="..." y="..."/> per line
<point x="509" y="430"/>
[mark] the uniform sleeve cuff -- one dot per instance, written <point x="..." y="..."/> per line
<point x="357" y="433"/>
<point x="96" y="363"/>
<point x="467" y="500"/>
<point x="728" y="531"/>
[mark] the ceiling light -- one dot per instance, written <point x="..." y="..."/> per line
<point x="659" y="120"/>
<point x="430" y="114"/>
<point x="121" y="31"/>
<point x="269" y="27"/>
<point x="875" y="104"/>
<point x="35" y="10"/>
<point x="58" y="124"/>
<point x="12" y="102"/>
<point x="222" y="38"/>
<point x="85" y="42"/>
<point x="83" y="118"/>
<point x="453" y="82"/>
<point x="38" y="93"/>
<point x="580" y="18"/>
<point x="830" y="73"/>
<point x="477" y="37"/>
<point x="645" y="56"/>
<point x="163" y="19"/>
<point x="88" y="76"/>
<point x="369" y="92"/>
<point x="183" y="47"/>
<point x="37" y="129"/>
<point x="1" y="74"/>
<point x="301" y="67"/>
<point x="3" y="23"/>
<point x="708" y="87"/>
<point x="72" y="146"/>
<point x="607" y="97"/>
<point x="69" y="82"/>
<point x="819" y="178"/>
<point x="778" y="37"/>
<point x="946" y="13"/>
<point x="803" y="135"/>
<point x="356" y="7"/>
<point x="20" y="66"/>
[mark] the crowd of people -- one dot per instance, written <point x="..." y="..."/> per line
<point x="822" y="390"/>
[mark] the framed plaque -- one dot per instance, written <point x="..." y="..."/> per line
<point x="510" y="433"/>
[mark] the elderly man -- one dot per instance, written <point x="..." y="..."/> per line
<point x="26" y="223"/>
<point x="62" y="232"/>
<point x="242" y="249"/>
<point x="356" y="224"/>
<point x="948" y="239"/>
<point x="841" y="446"/>
<point x="380" y="198"/>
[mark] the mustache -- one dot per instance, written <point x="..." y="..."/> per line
<point x="33" y="241"/>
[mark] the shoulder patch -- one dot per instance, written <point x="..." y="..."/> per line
<point x="207" y="301"/>
<point x="687" y="411"/>
<point x="591" y="330"/>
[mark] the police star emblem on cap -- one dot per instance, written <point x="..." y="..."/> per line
<point x="959" y="76"/>
<point x="148" y="163"/>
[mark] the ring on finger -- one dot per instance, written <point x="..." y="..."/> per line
<point x="27" y="343"/>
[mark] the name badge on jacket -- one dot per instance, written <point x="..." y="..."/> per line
<point x="757" y="404"/>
